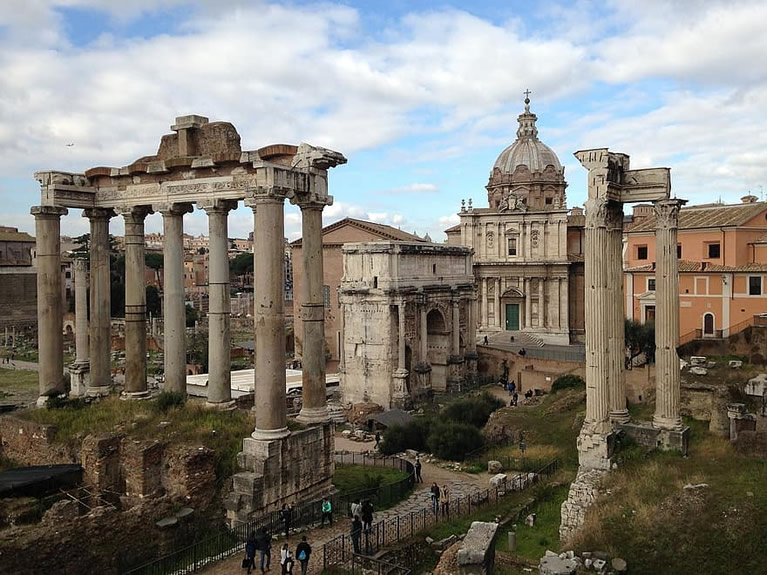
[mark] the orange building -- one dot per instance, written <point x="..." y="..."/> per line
<point x="722" y="252"/>
<point x="334" y="237"/>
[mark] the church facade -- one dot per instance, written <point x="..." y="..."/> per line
<point x="528" y="262"/>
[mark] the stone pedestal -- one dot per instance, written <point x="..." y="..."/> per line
<point x="400" y="396"/>
<point x="477" y="553"/>
<point x="595" y="450"/>
<point x="49" y="300"/>
<point x="651" y="437"/>
<point x="79" y="377"/>
<point x="740" y="420"/>
<point x="297" y="468"/>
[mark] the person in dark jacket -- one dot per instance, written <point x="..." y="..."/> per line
<point x="264" y="546"/>
<point x="250" y="551"/>
<point x="286" y="516"/>
<point x="356" y="531"/>
<point x="303" y="551"/>
<point x="367" y="514"/>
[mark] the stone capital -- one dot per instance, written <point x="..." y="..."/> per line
<point x="667" y="213"/>
<point x="80" y="264"/>
<point x="99" y="213"/>
<point x="48" y="211"/>
<point x="215" y="205"/>
<point x="173" y="208"/>
<point x="311" y="201"/>
<point x="266" y="195"/>
<point x="134" y="213"/>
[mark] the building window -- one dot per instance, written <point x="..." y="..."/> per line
<point x="755" y="285"/>
<point x="326" y="296"/>
<point x="512" y="246"/>
<point x="650" y="284"/>
<point x="679" y="251"/>
<point x="549" y="201"/>
<point x="641" y="252"/>
<point x="714" y="252"/>
<point x="434" y="269"/>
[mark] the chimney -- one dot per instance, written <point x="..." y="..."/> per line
<point x="641" y="211"/>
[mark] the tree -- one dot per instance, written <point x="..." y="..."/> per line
<point x="155" y="261"/>
<point x="192" y="316"/>
<point x="640" y="338"/>
<point x="153" y="301"/>
<point x="242" y="264"/>
<point x="83" y="249"/>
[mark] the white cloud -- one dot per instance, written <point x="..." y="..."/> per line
<point x="414" y="188"/>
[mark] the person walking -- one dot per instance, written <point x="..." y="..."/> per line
<point x="445" y="502"/>
<point x="286" y="516"/>
<point x="367" y="515"/>
<point x="378" y="439"/>
<point x="303" y="552"/>
<point x="286" y="560"/>
<point x="355" y="533"/>
<point x="418" y="477"/>
<point x="435" y="497"/>
<point x="327" y="512"/>
<point x="355" y="508"/>
<point x="264" y="546"/>
<point x="250" y="551"/>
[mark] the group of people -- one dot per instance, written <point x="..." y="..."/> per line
<point x="440" y="499"/>
<point x="261" y="542"/>
<point x="362" y="520"/>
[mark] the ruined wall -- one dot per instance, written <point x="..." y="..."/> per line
<point x="32" y="443"/>
<point x="706" y="402"/>
<point x="527" y="372"/>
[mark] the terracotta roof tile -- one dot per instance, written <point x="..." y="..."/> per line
<point x="386" y="232"/>
<point x="706" y="216"/>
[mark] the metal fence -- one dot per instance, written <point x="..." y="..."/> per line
<point x="229" y="541"/>
<point x="342" y="549"/>
<point x="368" y="565"/>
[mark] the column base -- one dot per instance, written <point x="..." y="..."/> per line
<point x="311" y="415"/>
<point x="667" y="423"/>
<point x="619" y="416"/>
<point x="42" y="401"/>
<point x="99" y="391"/>
<point x="270" y="434"/>
<point x="229" y="405"/>
<point x="134" y="395"/>
<point x="595" y="450"/>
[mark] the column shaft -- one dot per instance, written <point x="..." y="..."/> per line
<point x="667" y="376"/>
<point x="49" y="302"/>
<point x="401" y="335"/>
<point x="617" y="377"/>
<point x="456" y="327"/>
<point x="598" y="298"/>
<point x="528" y="304"/>
<point x="497" y="302"/>
<point x="424" y="335"/>
<point x="219" y="330"/>
<point x="271" y="420"/>
<point x="174" y="310"/>
<point x="81" y="310"/>
<point x="135" y="302"/>
<point x="484" y="304"/>
<point x="541" y="303"/>
<point x="101" y="303"/>
<point x="314" y="408"/>
<point x="471" y="329"/>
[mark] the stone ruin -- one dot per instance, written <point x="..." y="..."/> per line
<point x="201" y="163"/>
<point x="611" y="184"/>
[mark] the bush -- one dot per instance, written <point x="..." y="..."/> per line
<point x="413" y="435"/>
<point x="566" y="382"/>
<point x="64" y="402"/>
<point x="167" y="400"/>
<point x="452" y="440"/>
<point x="473" y="410"/>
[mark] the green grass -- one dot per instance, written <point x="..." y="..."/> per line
<point x="353" y="478"/>
<point x="16" y="381"/>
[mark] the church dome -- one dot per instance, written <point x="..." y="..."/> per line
<point x="527" y="150"/>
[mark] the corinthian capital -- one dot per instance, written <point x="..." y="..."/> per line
<point x="667" y="213"/>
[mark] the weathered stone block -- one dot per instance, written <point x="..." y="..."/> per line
<point x="477" y="552"/>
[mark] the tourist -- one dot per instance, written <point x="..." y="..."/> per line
<point x="327" y="512"/>
<point x="512" y="387"/>
<point x="303" y="552"/>
<point x="418" y="477"/>
<point x="264" y="546"/>
<point x="286" y="516"/>
<point x="367" y="514"/>
<point x="522" y="352"/>
<point x="528" y="394"/>
<point x="484" y="341"/>
<point x="378" y="439"/>
<point x="514" y="399"/>
<point x="355" y="508"/>
<point x="250" y="551"/>
<point x="286" y="560"/>
<point x="435" y="497"/>
<point x="355" y="533"/>
<point x="445" y="502"/>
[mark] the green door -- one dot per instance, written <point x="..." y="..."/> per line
<point x="512" y="316"/>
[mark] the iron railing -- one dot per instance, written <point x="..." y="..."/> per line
<point x="341" y="549"/>
<point x="225" y="543"/>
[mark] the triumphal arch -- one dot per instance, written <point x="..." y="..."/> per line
<point x="201" y="163"/>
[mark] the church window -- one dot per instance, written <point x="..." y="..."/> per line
<point x="512" y="246"/>
<point x="714" y="251"/>
<point x="755" y="285"/>
<point x="641" y="252"/>
<point x="650" y="284"/>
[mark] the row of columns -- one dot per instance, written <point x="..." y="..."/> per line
<point x="267" y="204"/>
<point x="557" y="314"/>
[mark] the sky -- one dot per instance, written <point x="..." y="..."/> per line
<point x="421" y="97"/>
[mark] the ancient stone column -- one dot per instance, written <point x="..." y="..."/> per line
<point x="219" y="331"/>
<point x="49" y="304"/>
<point x="617" y="376"/>
<point x="401" y="373"/>
<point x="80" y="266"/>
<point x="484" y="304"/>
<point x="271" y="418"/>
<point x="598" y="301"/>
<point x="497" y="302"/>
<point x="456" y="331"/>
<point x="174" y="309"/>
<point x="135" y="302"/>
<point x="100" y="380"/>
<point x="471" y="328"/>
<point x="667" y="376"/>
<point x="424" y="335"/>
<point x="314" y="408"/>
<point x="541" y="303"/>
